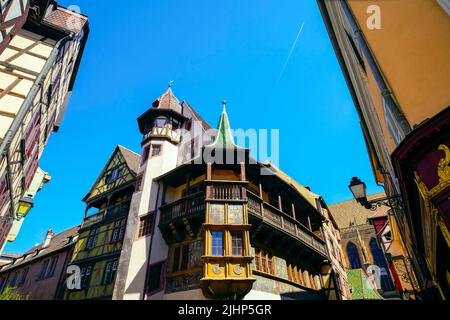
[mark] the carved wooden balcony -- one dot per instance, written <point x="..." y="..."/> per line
<point x="111" y="213"/>
<point x="193" y="208"/>
<point x="268" y="214"/>
<point x="93" y="219"/>
<point x="189" y="206"/>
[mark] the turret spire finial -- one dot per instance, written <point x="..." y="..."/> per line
<point x="171" y="83"/>
<point x="224" y="105"/>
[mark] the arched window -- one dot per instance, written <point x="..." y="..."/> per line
<point x="353" y="256"/>
<point x="380" y="260"/>
<point x="377" y="254"/>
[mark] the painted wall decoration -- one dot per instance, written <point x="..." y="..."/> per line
<point x="281" y="268"/>
<point x="217" y="214"/>
<point x="235" y="214"/>
<point x="196" y="251"/>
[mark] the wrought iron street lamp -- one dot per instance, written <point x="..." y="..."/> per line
<point x="359" y="191"/>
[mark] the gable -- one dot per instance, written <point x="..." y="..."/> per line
<point x="115" y="174"/>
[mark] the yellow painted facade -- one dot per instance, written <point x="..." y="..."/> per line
<point x="414" y="38"/>
<point x="226" y="274"/>
<point x="395" y="56"/>
<point x="101" y="236"/>
<point x="102" y="187"/>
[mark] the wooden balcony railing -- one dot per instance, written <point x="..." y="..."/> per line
<point x="93" y="219"/>
<point x="226" y="192"/>
<point x="110" y="213"/>
<point x="186" y="207"/>
<point x="195" y="204"/>
<point x="283" y="221"/>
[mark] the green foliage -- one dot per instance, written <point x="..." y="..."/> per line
<point x="11" y="294"/>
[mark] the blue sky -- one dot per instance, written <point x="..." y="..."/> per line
<point x="212" y="50"/>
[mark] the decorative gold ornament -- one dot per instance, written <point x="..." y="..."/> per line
<point x="443" y="167"/>
<point x="217" y="269"/>
<point x="238" y="269"/>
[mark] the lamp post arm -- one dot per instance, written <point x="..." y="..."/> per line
<point x="394" y="202"/>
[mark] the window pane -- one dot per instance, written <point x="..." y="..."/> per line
<point x="154" y="278"/>
<point x="146" y="226"/>
<point x="217" y="244"/>
<point x="237" y="244"/>
<point x="156" y="150"/>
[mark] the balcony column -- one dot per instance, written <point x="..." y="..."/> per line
<point x="208" y="178"/>
<point x="280" y="204"/>
<point x="243" y="179"/>
<point x="88" y="207"/>
<point x="108" y="203"/>
<point x="309" y="224"/>
<point x="322" y="234"/>
<point x="164" y="193"/>
<point x="294" y="215"/>
<point x="188" y="190"/>
<point x="306" y="279"/>
<point x="261" y="195"/>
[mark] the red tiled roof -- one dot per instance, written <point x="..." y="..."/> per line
<point x="10" y="255"/>
<point x="168" y="101"/>
<point x="345" y="213"/>
<point x="132" y="159"/>
<point x="66" y="19"/>
<point x="205" y="124"/>
<point x="58" y="242"/>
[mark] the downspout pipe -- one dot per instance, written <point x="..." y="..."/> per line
<point x="386" y="92"/>
<point x="18" y="120"/>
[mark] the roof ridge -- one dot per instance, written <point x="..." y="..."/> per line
<point x="206" y="126"/>
<point x="352" y="200"/>
<point x="128" y="149"/>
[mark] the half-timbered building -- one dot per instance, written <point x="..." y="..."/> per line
<point x="41" y="45"/>
<point x="202" y="228"/>
<point x="99" y="245"/>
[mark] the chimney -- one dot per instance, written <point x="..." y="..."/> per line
<point x="308" y="188"/>
<point x="48" y="238"/>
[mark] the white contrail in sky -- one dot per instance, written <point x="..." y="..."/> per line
<point x="291" y="52"/>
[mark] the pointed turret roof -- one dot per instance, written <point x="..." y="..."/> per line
<point x="168" y="101"/>
<point x="166" y="105"/>
<point x="224" y="137"/>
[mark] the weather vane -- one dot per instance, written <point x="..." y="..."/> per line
<point x="171" y="83"/>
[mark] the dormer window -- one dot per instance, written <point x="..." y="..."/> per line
<point x="113" y="176"/>
<point x="156" y="150"/>
<point x="160" y="122"/>
<point x="176" y="124"/>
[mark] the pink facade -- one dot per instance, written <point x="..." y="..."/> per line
<point x="39" y="274"/>
<point x="34" y="287"/>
